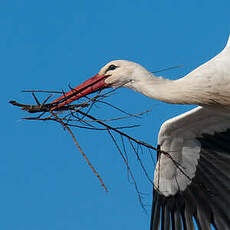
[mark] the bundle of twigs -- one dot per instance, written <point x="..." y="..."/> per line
<point x="78" y="116"/>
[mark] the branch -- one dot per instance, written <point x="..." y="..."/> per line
<point x="81" y="151"/>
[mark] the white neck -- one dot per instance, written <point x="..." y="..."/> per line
<point x="208" y="85"/>
<point x="181" y="91"/>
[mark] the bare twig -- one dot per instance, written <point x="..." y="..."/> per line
<point x="80" y="150"/>
<point x="86" y="158"/>
<point x="129" y="170"/>
<point x="41" y="91"/>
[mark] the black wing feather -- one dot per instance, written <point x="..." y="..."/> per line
<point x="206" y="199"/>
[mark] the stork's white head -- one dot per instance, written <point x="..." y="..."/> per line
<point x="118" y="73"/>
<point x="122" y="73"/>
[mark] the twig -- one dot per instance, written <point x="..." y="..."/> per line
<point x="129" y="169"/>
<point x="46" y="108"/>
<point x="120" y="132"/>
<point x="169" y="68"/>
<point x="81" y="151"/>
<point x="41" y="91"/>
<point x="141" y="163"/>
<point x="86" y="158"/>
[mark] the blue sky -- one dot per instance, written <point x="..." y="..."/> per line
<point x="45" y="183"/>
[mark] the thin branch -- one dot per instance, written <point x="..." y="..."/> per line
<point x="169" y="68"/>
<point x="141" y="163"/>
<point x="35" y="98"/>
<point x="129" y="169"/>
<point x="41" y="91"/>
<point x="86" y="158"/>
<point x="81" y="151"/>
<point x="120" y="132"/>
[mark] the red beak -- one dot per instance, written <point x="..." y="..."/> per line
<point x="92" y="85"/>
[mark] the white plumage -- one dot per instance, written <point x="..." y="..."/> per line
<point x="177" y="137"/>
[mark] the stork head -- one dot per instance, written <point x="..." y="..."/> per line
<point x="118" y="73"/>
<point x="122" y="73"/>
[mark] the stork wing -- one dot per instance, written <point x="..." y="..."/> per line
<point x="192" y="177"/>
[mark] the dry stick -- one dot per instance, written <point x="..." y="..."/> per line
<point x="150" y="153"/>
<point x="120" y="132"/>
<point x="137" y="141"/>
<point x="90" y="107"/>
<point x="129" y="169"/>
<point x="96" y="120"/>
<point x="169" y="68"/>
<point x="115" y="107"/>
<point x="45" y="108"/>
<point x="73" y="125"/>
<point x="43" y="103"/>
<point x="40" y="91"/>
<point x="53" y="119"/>
<point x="81" y="151"/>
<point x="103" y="96"/>
<point x="104" y="120"/>
<point x="125" y="154"/>
<point x="141" y="163"/>
<point x="35" y="98"/>
<point x="79" y="119"/>
<point x="129" y="137"/>
<point x="86" y="158"/>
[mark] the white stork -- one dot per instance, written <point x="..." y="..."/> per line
<point x="199" y="140"/>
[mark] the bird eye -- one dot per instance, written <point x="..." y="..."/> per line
<point x="111" y="67"/>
